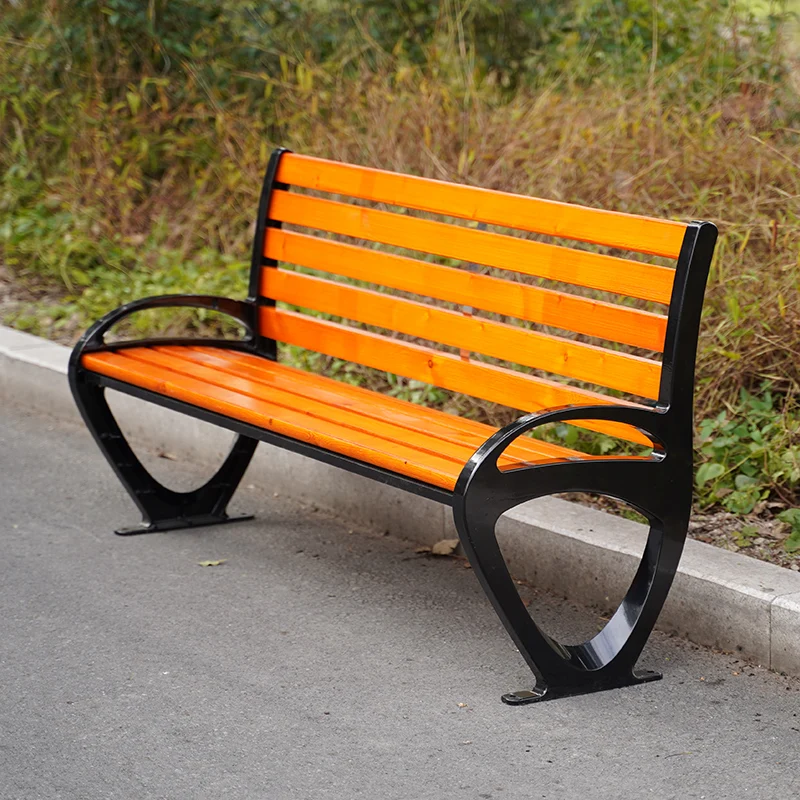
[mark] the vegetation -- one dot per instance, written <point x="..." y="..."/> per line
<point x="134" y="136"/>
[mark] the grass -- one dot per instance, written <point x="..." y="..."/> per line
<point x="121" y="180"/>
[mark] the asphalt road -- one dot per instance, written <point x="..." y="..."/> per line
<point x="318" y="662"/>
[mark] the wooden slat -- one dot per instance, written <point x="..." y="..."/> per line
<point x="486" y="381"/>
<point x="624" y="231"/>
<point x="403" y="460"/>
<point x="183" y="363"/>
<point x="578" y="267"/>
<point x="370" y="417"/>
<point x="532" y="303"/>
<point x="560" y="356"/>
<point x="401" y="413"/>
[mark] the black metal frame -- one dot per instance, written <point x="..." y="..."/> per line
<point x="162" y="509"/>
<point x="658" y="485"/>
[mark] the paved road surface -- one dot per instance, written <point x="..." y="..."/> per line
<point x="317" y="662"/>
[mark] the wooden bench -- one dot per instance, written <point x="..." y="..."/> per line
<point x="478" y="470"/>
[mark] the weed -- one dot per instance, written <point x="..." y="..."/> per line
<point x="792" y="517"/>
<point x="748" y="451"/>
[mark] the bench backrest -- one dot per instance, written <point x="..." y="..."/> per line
<point x="508" y="291"/>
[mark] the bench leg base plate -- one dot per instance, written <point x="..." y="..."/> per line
<point x="525" y="696"/>
<point x="199" y="521"/>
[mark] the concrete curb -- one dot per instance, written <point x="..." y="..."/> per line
<point x="720" y="599"/>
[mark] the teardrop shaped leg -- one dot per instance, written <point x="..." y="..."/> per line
<point x="162" y="509"/>
<point x="608" y="659"/>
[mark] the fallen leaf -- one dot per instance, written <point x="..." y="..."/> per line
<point x="444" y="548"/>
<point x="212" y="563"/>
<point x="168" y="456"/>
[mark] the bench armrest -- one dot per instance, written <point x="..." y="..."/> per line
<point x="649" y="421"/>
<point x="240" y="310"/>
<point x="633" y="479"/>
<point x="505" y="486"/>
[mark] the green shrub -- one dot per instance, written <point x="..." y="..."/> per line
<point x="748" y="453"/>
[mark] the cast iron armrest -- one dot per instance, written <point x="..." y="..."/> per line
<point x="484" y="492"/>
<point x="242" y="311"/>
<point x="650" y="421"/>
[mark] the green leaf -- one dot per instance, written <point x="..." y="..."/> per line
<point x="708" y="472"/>
<point x="741" y="502"/>
<point x="605" y="445"/>
<point x="746" y="535"/>
<point x="134" y="102"/>
<point x="792" y="517"/>
<point x="744" y="481"/>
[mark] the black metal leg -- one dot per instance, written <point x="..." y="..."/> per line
<point x="608" y="659"/>
<point x="162" y="509"/>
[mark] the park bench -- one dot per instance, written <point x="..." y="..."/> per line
<point x="318" y="216"/>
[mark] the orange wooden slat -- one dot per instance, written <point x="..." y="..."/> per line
<point x="486" y="381"/>
<point x="358" y="444"/>
<point x="594" y="364"/>
<point x="183" y="363"/>
<point x="367" y="417"/>
<point x="532" y="303"/>
<point x="290" y="379"/>
<point x="625" y="231"/>
<point x="578" y="267"/>
<point x="401" y="413"/>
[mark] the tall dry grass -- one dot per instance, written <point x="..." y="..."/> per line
<point x="603" y="147"/>
<point x="125" y="183"/>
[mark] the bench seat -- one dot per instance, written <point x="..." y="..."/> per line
<point x="421" y="443"/>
